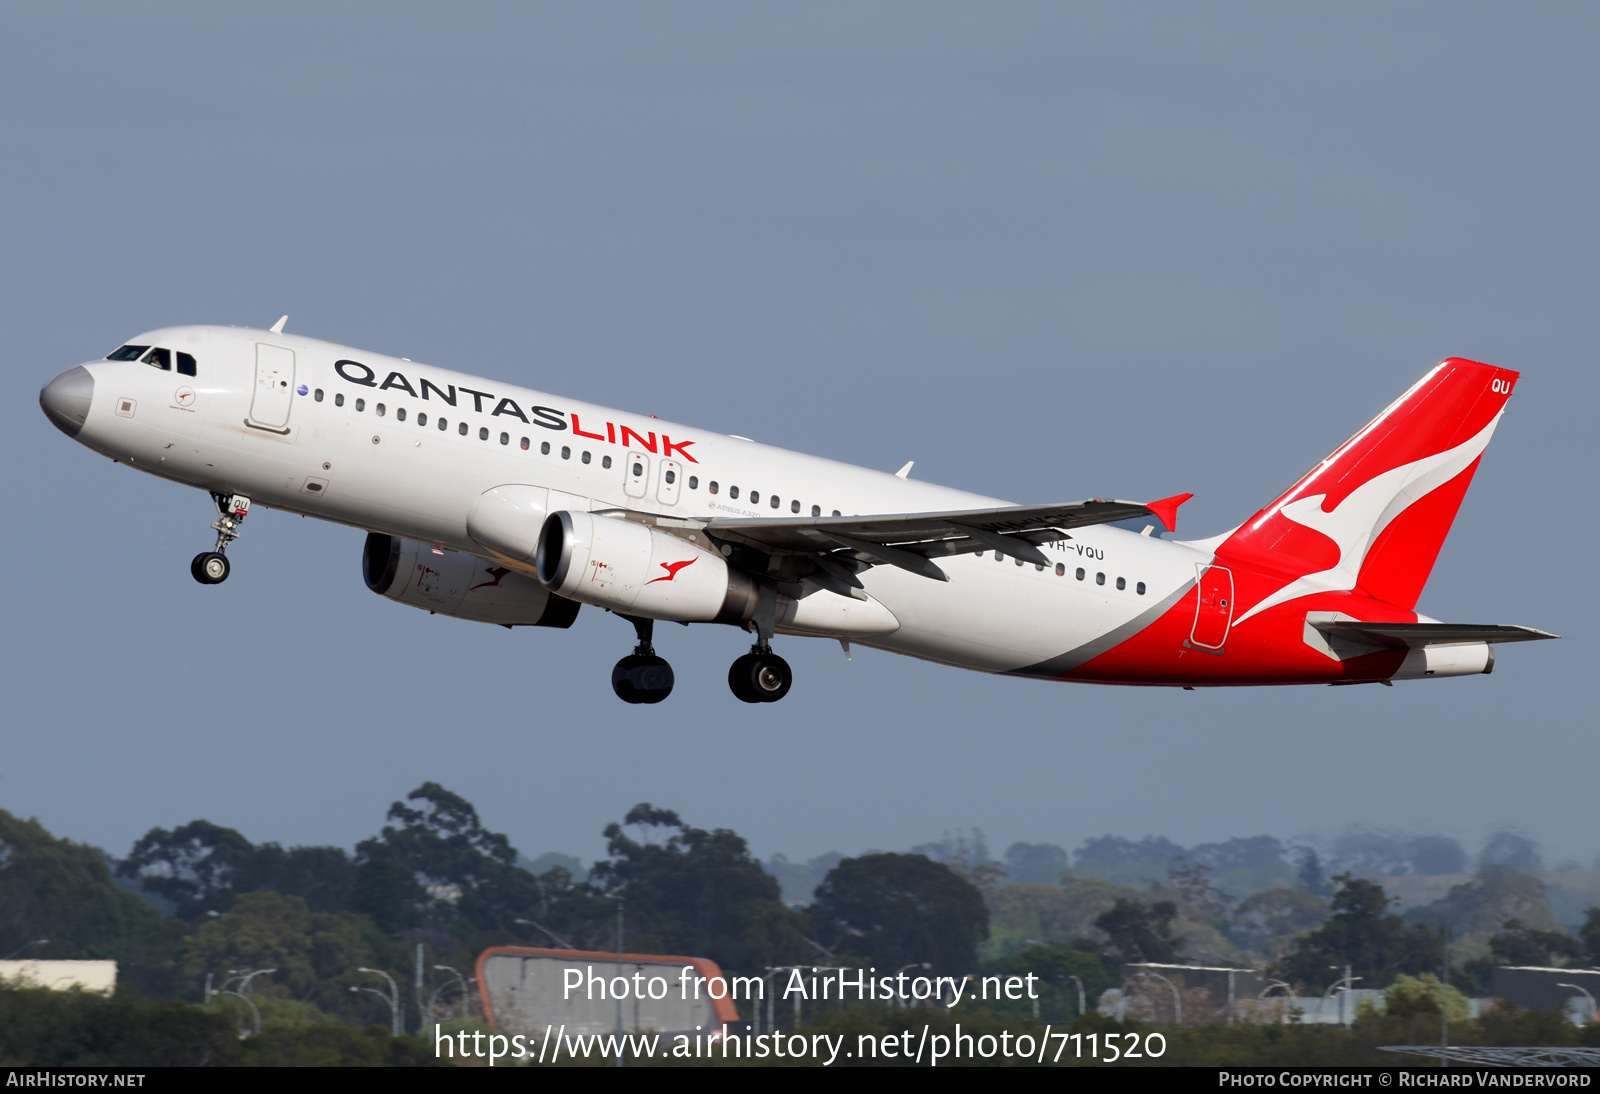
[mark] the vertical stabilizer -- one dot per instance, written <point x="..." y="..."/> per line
<point x="1373" y="515"/>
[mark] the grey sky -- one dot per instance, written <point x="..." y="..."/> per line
<point x="1048" y="251"/>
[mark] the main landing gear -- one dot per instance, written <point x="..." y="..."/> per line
<point x="211" y="567"/>
<point x="760" y="676"/>
<point x="642" y="677"/>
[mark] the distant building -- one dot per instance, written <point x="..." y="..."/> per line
<point x="528" y="991"/>
<point x="95" y="976"/>
<point x="1539" y="988"/>
<point x="1203" y="993"/>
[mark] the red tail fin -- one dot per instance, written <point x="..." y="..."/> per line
<point x="1374" y="514"/>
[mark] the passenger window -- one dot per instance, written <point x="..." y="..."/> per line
<point x="338" y="398"/>
<point x="159" y="358"/>
<point x="836" y="512"/>
<point x="774" y="501"/>
<point x="1080" y="573"/>
<point x="187" y="367"/>
<point x="794" y="507"/>
<point x="361" y="404"/>
<point x="694" y="482"/>
<point x="755" y="497"/>
<point x="1061" y="569"/>
<point x="1139" y="588"/>
<point x="638" y="469"/>
<point x="1121" y="584"/>
<point x="525" y="443"/>
<point x="544" y="448"/>
<point x="671" y="476"/>
<point x="1099" y="579"/>
<point x="505" y="438"/>
<point x="712" y="486"/>
<point x="1039" y="566"/>
<point x="733" y="491"/>
<point x="605" y="461"/>
<point x="816" y="510"/>
<point x="461" y="428"/>
<point x="586" y="457"/>
<point x="1018" y="561"/>
<point x="422" y="419"/>
<point x="566" y="453"/>
<point x="998" y="555"/>
<point x="317" y="395"/>
<point x="443" y="425"/>
<point x="379" y="409"/>
<point x="483" y="435"/>
<point x="126" y="353"/>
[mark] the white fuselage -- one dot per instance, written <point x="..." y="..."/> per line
<point x="363" y="446"/>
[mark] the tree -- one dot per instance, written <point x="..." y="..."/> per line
<point x="1137" y="932"/>
<point x="316" y="955"/>
<point x="698" y="893"/>
<point x="441" y="869"/>
<point x="1038" y="863"/>
<point x="1590" y="934"/>
<point x="63" y="891"/>
<point x="1363" y="934"/>
<point x="1312" y="878"/>
<point x="1265" y="921"/>
<point x="895" y="910"/>
<point x="202" y="867"/>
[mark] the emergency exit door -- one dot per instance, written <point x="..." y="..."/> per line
<point x="274" y="390"/>
<point x="1213" y="610"/>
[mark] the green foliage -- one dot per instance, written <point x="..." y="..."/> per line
<point x="202" y="867"/>
<point x="63" y="891"/>
<point x="1055" y="966"/>
<point x="1480" y="907"/>
<point x="1269" y="920"/>
<point x="697" y="893"/>
<point x="1419" y="996"/>
<point x="1363" y="934"/>
<point x="1140" y="932"/>
<point x="1589" y="934"/>
<point x="897" y="910"/>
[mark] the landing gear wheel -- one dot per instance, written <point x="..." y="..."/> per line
<point x="760" y="677"/>
<point x="210" y="568"/>
<point x="642" y="678"/>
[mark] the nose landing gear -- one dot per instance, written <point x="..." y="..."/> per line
<point x="211" y="567"/>
<point x="642" y="677"/>
<point x="760" y="676"/>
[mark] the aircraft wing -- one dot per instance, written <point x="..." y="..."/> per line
<point x="1417" y="635"/>
<point x="842" y="546"/>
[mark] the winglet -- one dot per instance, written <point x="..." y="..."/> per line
<point x="906" y="470"/>
<point x="1166" y="510"/>
<point x="277" y="328"/>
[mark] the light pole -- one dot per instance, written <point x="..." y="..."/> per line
<point x="557" y="939"/>
<point x="434" y="998"/>
<point x="1343" y="986"/>
<point x="393" y="998"/>
<point x="1594" y="1010"/>
<point x="243" y="991"/>
<point x="1177" y="1000"/>
<point x="1081" y="1007"/>
<point x="26" y="946"/>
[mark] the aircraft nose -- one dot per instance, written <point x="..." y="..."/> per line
<point x="66" y="399"/>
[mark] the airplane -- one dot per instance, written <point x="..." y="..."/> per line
<point x="504" y="505"/>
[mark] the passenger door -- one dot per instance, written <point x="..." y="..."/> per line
<point x="274" y="390"/>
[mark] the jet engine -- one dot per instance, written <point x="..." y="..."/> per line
<point x="636" y="570"/>
<point x="456" y="583"/>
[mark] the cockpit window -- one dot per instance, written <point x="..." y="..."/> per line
<point x="158" y="358"/>
<point x="126" y="353"/>
<point x="186" y="365"/>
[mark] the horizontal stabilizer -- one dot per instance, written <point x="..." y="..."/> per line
<point x="1415" y="636"/>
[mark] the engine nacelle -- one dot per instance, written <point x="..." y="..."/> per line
<point x="637" y="570"/>
<point x="458" y="584"/>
